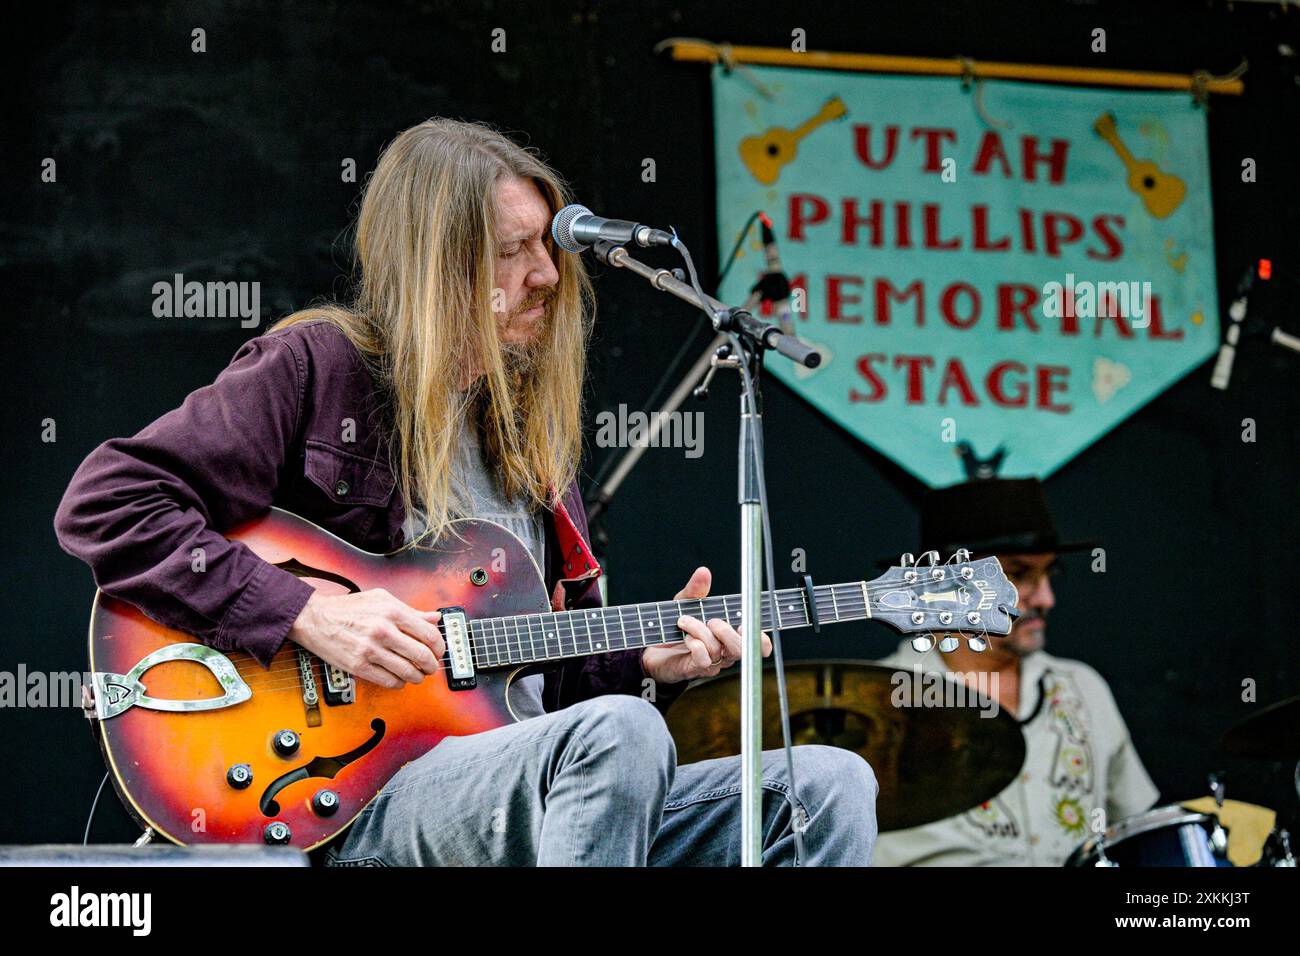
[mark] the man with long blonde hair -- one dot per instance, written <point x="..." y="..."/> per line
<point x="449" y="388"/>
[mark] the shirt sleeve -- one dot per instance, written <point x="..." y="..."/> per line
<point x="146" y="512"/>
<point x="1129" y="788"/>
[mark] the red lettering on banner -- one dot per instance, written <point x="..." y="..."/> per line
<point x="869" y="373"/>
<point x="1107" y="308"/>
<point x="1030" y="157"/>
<point x="1158" y="323"/>
<point x="862" y="146"/>
<point x="1053" y="239"/>
<point x="932" y="137"/>
<point x="1016" y="300"/>
<point x="991" y="148"/>
<point x="954" y="374"/>
<point x="914" y="364"/>
<point x="1027" y="231"/>
<point x="994" y="385"/>
<point x="903" y="225"/>
<point x="1008" y="384"/>
<point x="850" y="221"/>
<point x="800" y="213"/>
<point x="1047" y="384"/>
<point x="980" y="220"/>
<point x="932" y="240"/>
<point x="836" y="298"/>
<point x="1114" y="248"/>
<point x="886" y="291"/>
<point x="947" y="306"/>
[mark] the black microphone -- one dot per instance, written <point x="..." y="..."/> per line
<point x="774" y="285"/>
<point x="576" y="228"/>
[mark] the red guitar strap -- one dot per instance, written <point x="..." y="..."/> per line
<point x="577" y="561"/>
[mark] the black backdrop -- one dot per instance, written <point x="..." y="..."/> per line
<point x="225" y="165"/>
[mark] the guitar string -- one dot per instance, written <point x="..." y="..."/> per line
<point x="486" y="656"/>
<point x="500" y="637"/>
<point x="294" y="685"/>
<point x="257" y="678"/>
<point x="496" y="629"/>
<point x="496" y="639"/>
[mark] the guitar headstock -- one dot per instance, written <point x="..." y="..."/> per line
<point x="833" y="108"/>
<point x="973" y="599"/>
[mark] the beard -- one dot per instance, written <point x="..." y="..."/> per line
<point x="523" y="355"/>
<point x="1023" y="641"/>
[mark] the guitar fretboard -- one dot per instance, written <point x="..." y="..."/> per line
<point x="530" y="638"/>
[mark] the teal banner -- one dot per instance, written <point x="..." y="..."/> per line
<point x="1017" y="266"/>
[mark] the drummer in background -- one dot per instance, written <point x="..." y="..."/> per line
<point x="1078" y="755"/>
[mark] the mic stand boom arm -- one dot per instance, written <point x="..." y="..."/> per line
<point x="725" y="318"/>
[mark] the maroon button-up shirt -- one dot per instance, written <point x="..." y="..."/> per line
<point x="294" y="421"/>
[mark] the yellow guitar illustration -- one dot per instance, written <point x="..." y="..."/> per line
<point x="1160" y="192"/>
<point x="765" y="155"/>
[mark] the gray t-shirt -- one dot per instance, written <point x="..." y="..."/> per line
<point x="474" y="484"/>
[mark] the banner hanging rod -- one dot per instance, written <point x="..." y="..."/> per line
<point x="705" y="51"/>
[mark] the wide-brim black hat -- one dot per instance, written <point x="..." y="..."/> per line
<point x="991" y="516"/>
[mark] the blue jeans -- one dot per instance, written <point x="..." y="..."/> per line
<point x="597" y="784"/>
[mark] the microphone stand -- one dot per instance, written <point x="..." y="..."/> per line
<point x="751" y="338"/>
<point x="701" y="372"/>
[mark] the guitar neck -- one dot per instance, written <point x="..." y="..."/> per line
<point x="1110" y="134"/>
<point x="532" y="638"/>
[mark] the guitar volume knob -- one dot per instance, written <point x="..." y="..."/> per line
<point x="325" y="803"/>
<point x="285" y="743"/>
<point x="239" y="776"/>
<point x="276" y="833"/>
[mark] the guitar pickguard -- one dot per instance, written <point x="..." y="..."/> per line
<point x="117" y="693"/>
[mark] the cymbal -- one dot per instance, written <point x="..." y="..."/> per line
<point x="931" y="762"/>
<point x="1273" y="733"/>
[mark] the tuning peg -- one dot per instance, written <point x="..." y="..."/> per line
<point x="948" y="644"/>
<point x="922" y="644"/>
<point x="977" y="644"/>
<point x="907" y="560"/>
<point x="960" y="556"/>
<point x="930" y="557"/>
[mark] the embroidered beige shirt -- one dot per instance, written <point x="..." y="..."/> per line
<point x="1078" y="760"/>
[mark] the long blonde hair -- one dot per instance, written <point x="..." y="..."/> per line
<point x="423" y="315"/>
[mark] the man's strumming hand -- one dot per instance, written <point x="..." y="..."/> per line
<point x="372" y="635"/>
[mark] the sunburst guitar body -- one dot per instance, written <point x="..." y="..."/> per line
<point x="228" y="774"/>
<point x="208" y="746"/>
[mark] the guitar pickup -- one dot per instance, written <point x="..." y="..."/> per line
<point x="460" y="648"/>
<point x="339" y="686"/>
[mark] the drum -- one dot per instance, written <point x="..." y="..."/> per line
<point x="1163" y="836"/>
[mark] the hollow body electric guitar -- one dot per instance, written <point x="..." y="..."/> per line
<point x="207" y="746"/>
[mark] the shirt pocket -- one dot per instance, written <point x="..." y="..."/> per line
<point x="348" y="479"/>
